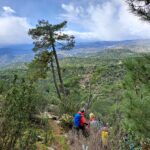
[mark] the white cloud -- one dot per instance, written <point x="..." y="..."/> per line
<point x="82" y="35"/>
<point x="110" y="20"/>
<point x="8" y="10"/>
<point x="13" y="28"/>
<point x="72" y="12"/>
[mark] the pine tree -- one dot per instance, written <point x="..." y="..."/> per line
<point x="140" y="8"/>
<point x="48" y="38"/>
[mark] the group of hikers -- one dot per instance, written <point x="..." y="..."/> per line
<point x="91" y="125"/>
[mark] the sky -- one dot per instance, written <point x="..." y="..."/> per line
<point x="88" y="20"/>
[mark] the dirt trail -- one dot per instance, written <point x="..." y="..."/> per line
<point x="60" y="142"/>
<point x="57" y="130"/>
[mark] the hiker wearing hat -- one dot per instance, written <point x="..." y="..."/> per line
<point x="92" y="120"/>
<point x="93" y="124"/>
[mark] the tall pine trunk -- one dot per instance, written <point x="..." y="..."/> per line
<point x="55" y="81"/>
<point x="58" y="70"/>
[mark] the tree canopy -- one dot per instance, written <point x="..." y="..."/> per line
<point x="140" y="8"/>
<point x="48" y="39"/>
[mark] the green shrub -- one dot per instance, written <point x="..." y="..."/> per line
<point x="66" y="122"/>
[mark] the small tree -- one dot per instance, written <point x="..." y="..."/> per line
<point x="17" y="106"/>
<point x="48" y="37"/>
<point x="140" y="8"/>
<point x="40" y="66"/>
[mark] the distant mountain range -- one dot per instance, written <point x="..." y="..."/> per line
<point x="23" y="53"/>
<point x="85" y="49"/>
<point x="16" y="53"/>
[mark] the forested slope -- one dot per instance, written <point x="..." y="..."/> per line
<point x="115" y="90"/>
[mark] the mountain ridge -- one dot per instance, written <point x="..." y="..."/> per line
<point x="23" y="53"/>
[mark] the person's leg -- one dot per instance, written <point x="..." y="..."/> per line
<point x="76" y="131"/>
<point x="105" y="143"/>
<point x="84" y="131"/>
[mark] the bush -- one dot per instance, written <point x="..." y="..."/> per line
<point x="20" y="102"/>
<point x="66" y="122"/>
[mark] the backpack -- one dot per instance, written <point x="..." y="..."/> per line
<point x="77" y="119"/>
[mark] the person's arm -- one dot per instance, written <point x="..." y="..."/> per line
<point x="83" y="120"/>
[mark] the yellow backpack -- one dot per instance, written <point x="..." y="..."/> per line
<point x="104" y="134"/>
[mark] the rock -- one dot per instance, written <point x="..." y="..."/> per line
<point x="50" y="116"/>
<point x="39" y="138"/>
<point x="50" y="148"/>
<point x="57" y="121"/>
<point x="54" y="117"/>
<point x="65" y="135"/>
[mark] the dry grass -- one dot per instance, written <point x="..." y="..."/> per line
<point x="93" y="142"/>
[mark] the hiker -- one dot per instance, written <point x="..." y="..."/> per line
<point x="80" y="122"/>
<point x="93" y="123"/>
<point x="104" y="136"/>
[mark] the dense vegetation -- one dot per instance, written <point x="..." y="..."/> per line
<point x="116" y="90"/>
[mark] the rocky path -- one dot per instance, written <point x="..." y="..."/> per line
<point x="60" y="138"/>
<point x="60" y="142"/>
